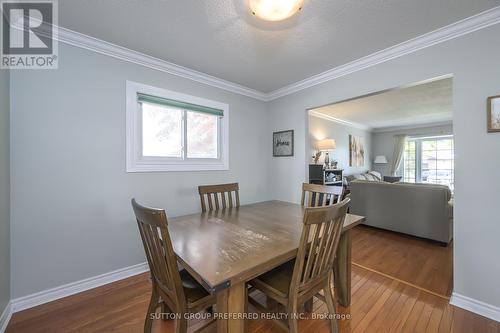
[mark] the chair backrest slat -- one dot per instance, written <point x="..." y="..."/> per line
<point x="216" y="197"/>
<point x="318" y="244"/>
<point x="211" y="194"/>
<point x="223" y="195"/>
<point x="320" y="195"/>
<point x="153" y="228"/>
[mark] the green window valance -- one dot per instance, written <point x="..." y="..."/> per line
<point x="178" y="104"/>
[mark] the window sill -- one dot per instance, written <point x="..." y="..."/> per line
<point x="177" y="167"/>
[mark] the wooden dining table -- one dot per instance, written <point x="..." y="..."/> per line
<point x="225" y="249"/>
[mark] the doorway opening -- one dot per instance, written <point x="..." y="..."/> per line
<point x="393" y="152"/>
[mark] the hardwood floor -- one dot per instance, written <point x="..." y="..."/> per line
<point x="380" y="303"/>
<point x="423" y="263"/>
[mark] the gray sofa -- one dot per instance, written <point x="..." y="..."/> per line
<point x="423" y="210"/>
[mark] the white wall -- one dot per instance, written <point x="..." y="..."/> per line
<point x="71" y="213"/>
<point x="4" y="189"/>
<point x="383" y="142"/>
<point x="320" y="129"/>
<point x="474" y="61"/>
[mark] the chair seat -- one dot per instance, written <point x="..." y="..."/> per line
<point x="278" y="279"/>
<point x="192" y="289"/>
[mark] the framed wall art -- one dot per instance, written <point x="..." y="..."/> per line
<point x="283" y="143"/>
<point x="356" y="151"/>
<point x="494" y="114"/>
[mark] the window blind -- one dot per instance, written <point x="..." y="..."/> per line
<point x="143" y="98"/>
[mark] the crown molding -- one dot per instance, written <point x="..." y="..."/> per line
<point x="83" y="41"/>
<point x="454" y="30"/>
<point x="416" y="126"/>
<point x="339" y="121"/>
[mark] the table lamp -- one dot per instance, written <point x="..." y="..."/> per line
<point x="324" y="145"/>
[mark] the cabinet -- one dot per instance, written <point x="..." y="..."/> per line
<point x="319" y="175"/>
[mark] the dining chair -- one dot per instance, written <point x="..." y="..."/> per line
<point x="297" y="281"/>
<point x="314" y="195"/>
<point x="177" y="290"/>
<point x="215" y="195"/>
<point x="317" y="196"/>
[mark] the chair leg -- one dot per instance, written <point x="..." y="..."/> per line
<point x="330" y="304"/>
<point x="165" y="310"/>
<point x="292" y="318"/>
<point x="153" y="304"/>
<point x="181" y="324"/>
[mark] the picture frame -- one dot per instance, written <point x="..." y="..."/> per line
<point x="283" y="143"/>
<point x="493" y="114"/>
<point x="356" y="151"/>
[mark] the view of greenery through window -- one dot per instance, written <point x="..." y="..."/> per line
<point x="163" y="134"/>
<point x="429" y="160"/>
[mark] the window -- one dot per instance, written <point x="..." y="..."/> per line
<point x="410" y="161"/>
<point x="169" y="131"/>
<point x="429" y="160"/>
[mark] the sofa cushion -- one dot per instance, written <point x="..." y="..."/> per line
<point x="370" y="177"/>
<point x="376" y="175"/>
<point x="360" y="176"/>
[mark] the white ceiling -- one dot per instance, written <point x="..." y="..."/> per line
<point x="427" y="103"/>
<point x="221" y="37"/>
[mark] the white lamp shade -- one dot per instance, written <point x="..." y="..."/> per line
<point x="326" y="144"/>
<point x="380" y="159"/>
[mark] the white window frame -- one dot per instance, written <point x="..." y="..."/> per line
<point x="418" y="154"/>
<point x="136" y="162"/>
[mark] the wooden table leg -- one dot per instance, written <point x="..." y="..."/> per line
<point x="232" y="301"/>
<point x="221" y="309"/>
<point x="342" y="270"/>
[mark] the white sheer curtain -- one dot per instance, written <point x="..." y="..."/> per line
<point x="397" y="155"/>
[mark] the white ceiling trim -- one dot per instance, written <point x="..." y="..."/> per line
<point x="454" y="30"/>
<point x="407" y="127"/>
<point x="74" y="38"/>
<point x="339" y="121"/>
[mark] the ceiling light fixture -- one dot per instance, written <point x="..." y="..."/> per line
<point x="275" y="10"/>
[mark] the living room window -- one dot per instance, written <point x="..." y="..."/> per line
<point x="429" y="160"/>
<point x="168" y="131"/>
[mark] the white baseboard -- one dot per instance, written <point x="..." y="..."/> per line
<point x="472" y="305"/>
<point x="5" y="317"/>
<point x="69" y="289"/>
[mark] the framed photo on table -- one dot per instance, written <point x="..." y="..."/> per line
<point x="494" y="114"/>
